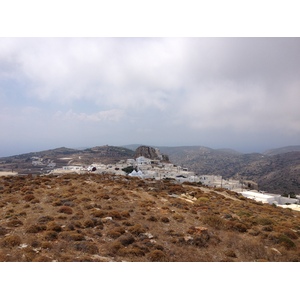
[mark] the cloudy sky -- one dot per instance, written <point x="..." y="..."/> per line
<point x="240" y="93"/>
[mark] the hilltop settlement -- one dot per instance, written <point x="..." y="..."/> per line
<point x="150" y="163"/>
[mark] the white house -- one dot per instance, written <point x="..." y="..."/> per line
<point x="141" y="160"/>
<point x="136" y="174"/>
<point x="269" y="198"/>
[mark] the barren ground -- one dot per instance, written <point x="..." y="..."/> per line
<point x="104" y="218"/>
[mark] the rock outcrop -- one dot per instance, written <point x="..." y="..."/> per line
<point x="151" y="153"/>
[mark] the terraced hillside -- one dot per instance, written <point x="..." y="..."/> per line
<point x="104" y="218"/>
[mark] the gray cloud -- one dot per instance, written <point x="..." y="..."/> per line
<point x="215" y="92"/>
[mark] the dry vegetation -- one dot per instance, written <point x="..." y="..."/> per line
<point x="105" y="218"/>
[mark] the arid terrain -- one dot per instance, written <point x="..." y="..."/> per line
<point x="105" y="218"/>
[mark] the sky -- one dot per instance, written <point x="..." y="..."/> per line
<point x="239" y="93"/>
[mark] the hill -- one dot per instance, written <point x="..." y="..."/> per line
<point x="275" y="173"/>
<point x="43" y="161"/>
<point x="282" y="150"/>
<point x="104" y="218"/>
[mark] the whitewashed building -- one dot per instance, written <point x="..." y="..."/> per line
<point x="269" y="198"/>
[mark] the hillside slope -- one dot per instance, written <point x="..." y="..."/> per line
<point x="276" y="173"/>
<point x="115" y="218"/>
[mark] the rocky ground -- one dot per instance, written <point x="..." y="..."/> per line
<point x="104" y="218"/>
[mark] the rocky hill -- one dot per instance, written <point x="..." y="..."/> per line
<point x="105" y="218"/>
<point x="276" y="173"/>
<point x="151" y="153"/>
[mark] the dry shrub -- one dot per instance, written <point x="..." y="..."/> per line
<point x="125" y="214"/>
<point x="131" y="251"/>
<point x="65" y="210"/>
<point x="22" y="214"/>
<point x="254" y="231"/>
<point x="286" y="242"/>
<point x="98" y="223"/>
<point x="164" y="219"/>
<point x="35" y="244"/>
<point x="78" y="215"/>
<point x="11" y="241"/>
<point x="88" y="223"/>
<point x="127" y="223"/>
<point x="88" y="206"/>
<point x="77" y="224"/>
<point x="268" y="228"/>
<point x="28" y="198"/>
<point x="126" y="239"/>
<point x="156" y="256"/>
<point x="230" y="253"/>
<point x="53" y="226"/>
<point x="50" y="235"/>
<point x="86" y="247"/>
<point x="71" y="236"/>
<point x="152" y="219"/>
<point x="84" y="199"/>
<point x="252" y="250"/>
<point x="137" y="229"/>
<point x="45" y="219"/>
<point x="3" y="231"/>
<point x="146" y="203"/>
<point x="14" y="223"/>
<point x="35" y="228"/>
<point x="200" y="237"/>
<point x="105" y="196"/>
<point x="115" y="215"/>
<point x="114" y="247"/>
<point x="214" y="221"/>
<point x="178" y="217"/>
<point x="29" y="255"/>
<point x="34" y="201"/>
<point x="116" y="232"/>
<point x="264" y="221"/>
<point x="67" y="202"/>
<point x="290" y="234"/>
<point x="236" y="225"/>
<point x="57" y="203"/>
<point x="99" y="213"/>
<point x="179" y="203"/>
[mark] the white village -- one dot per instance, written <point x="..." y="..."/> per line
<point x="145" y="168"/>
<point x="160" y="169"/>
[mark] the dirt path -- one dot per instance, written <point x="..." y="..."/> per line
<point x="2" y="173"/>
<point x="208" y="190"/>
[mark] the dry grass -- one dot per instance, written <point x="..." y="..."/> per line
<point x="109" y="218"/>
